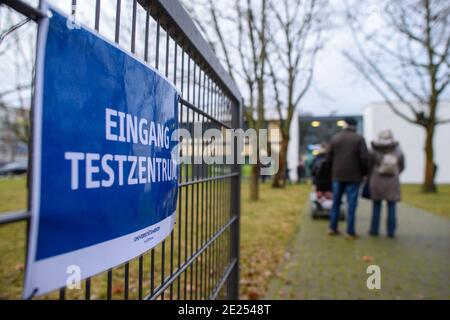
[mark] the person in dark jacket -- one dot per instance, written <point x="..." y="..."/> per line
<point x="320" y="172"/>
<point x="300" y="170"/>
<point x="387" y="162"/>
<point x="349" y="160"/>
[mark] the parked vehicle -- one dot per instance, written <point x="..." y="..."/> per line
<point x="14" y="168"/>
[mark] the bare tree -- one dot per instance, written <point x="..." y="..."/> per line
<point x="407" y="59"/>
<point x="17" y="52"/>
<point x="239" y="36"/>
<point x="295" y="40"/>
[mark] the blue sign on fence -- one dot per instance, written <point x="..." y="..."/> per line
<point x="104" y="183"/>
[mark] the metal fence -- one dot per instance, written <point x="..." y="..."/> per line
<point x="200" y="259"/>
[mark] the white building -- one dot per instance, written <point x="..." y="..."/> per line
<point x="380" y="116"/>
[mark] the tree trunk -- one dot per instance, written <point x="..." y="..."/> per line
<point x="279" y="180"/>
<point x="254" y="182"/>
<point x="429" y="185"/>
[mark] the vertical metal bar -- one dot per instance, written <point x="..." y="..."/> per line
<point x="223" y="197"/>
<point x="207" y="204"/>
<point x="167" y="54"/>
<point x="223" y="107"/>
<point x="158" y="31"/>
<point x="117" y="31"/>
<point x="209" y="192"/>
<point x="192" y="239"/>
<point x="199" y="87"/>
<point x="220" y="104"/>
<point x="147" y="27"/>
<point x="74" y="7"/>
<point x="204" y="174"/>
<point x="97" y="15"/>
<point x="163" y="264"/>
<point x="197" y="192"/>
<point x="202" y="193"/>
<point x="216" y="102"/>
<point x="188" y="87"/>
<point x="180" y="177"/>
<point x="87" y="292"/>
<point x="186" y="223"/>
<point x="221" y="202"/>
<point x="216" y="200"/>
<point x="179" y="222"/>
<point x="152" y="254"/>
<point x="152" y="271"/>
<point x="163" y="244"/>
<point x="213" y="201"/>
<point x="133" y="28"/>
<point x="235" y="209"/>
<point x="109" y="285"/>
<point x="172" y="232"/>
<point x="30" y="179"/>
<point x="221" y="239"/>
<point x="126" y="280"/>
<point x="212" y="197"/>
<point x="62" y="294"/>
<point x="193" y="176"/>
<point x="186" y="209"/>
<point x="140" y="273"/>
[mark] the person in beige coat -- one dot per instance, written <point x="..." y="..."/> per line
<point x="387" y="162"/>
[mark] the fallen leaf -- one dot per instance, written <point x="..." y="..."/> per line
<point x="367" y="258"/>
<point x="117" y="289"/>
<point x="19" y="267"/>
<point x="253" y="295"/>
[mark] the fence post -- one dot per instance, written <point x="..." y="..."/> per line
<point x="233" y="283"/>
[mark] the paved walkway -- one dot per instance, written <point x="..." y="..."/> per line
<point x="414" y="265"/>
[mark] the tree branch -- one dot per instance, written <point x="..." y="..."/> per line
<point x="374" y="84"/>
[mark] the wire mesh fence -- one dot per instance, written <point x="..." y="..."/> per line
<point x="200" y="258"/>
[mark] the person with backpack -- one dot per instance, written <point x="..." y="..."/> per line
<point x="387" y="162"/>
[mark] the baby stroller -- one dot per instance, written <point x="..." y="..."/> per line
<point x="321" y="199"/>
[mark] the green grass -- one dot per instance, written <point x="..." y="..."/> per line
<point x="434" y="202"/>
<point x="13" y="196"/>
<point x="246" y="170"/>
<point x="267" y="226"/>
